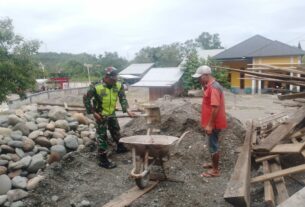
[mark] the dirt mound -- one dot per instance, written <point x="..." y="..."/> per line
<point x="78" y="178"/>
<point x="179" y="116"/>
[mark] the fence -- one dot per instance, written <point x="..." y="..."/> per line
<point x="14" y="104"/>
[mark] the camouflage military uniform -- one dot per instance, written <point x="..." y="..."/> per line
<point x="107" y="122"/>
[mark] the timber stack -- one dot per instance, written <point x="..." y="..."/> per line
<point x="267" y="143"/>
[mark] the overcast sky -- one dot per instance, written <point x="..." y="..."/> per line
<point x="126" y="26"/>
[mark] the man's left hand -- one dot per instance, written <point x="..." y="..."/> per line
<point x="209" y="129"/>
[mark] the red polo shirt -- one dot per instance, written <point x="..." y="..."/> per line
<point x="213" y="96"/>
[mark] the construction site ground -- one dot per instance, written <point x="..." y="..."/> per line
<point x="78" y="178"/>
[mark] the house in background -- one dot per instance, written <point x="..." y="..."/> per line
<point x="135" y="72"/>
<point x="162" y="81"/>
<point x="256" y="50"/>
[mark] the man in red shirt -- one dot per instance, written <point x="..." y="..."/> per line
<point x="213" y="116"/>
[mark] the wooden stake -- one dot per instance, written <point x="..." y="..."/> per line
<point x="282" y="193"/>
<point x="268" y="190"/>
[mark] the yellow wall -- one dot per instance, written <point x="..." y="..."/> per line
<point x="235" y="83"/>
<point x="235" y="76"/>
<point x="275" y="60"/>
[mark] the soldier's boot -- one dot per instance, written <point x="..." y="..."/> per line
<point x="105" y="162"/>
<point x="121" y="148"/>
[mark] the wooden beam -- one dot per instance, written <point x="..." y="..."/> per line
<point x="296" y="200"/>
<point x="266" y="75"/>
<point x="131" y="195"/>
<point x="59" y="104"/>
<point x="297" y="83"/>
<point x="288" y="148"/>
<point x="291" y="96"/>
<point x="238" y="189"/>
<point x="281" y="132"/>
<point x="265" y="158"/>
<point x="270" y="176"/>
<point x="278" y="69"/>
<point x="282" y="193"/>
<point x="268" y="190"/>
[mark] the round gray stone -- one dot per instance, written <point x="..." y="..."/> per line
<point x="18" y="204"/>
<point x="62" y="124"/>
<point x="32" y="126"/>
<point x="59" y="149"/>
<point x="15" y="195"/>
<point x="35" y="134"/>
<point x="19" y="182"/>
<point x="16" y="135"/>
<point x="37" y="163"/>
<point x="5" y="184"/>
<point x="15" y="144"/>
<point x="71" y="142"/>
<point x="13" y="119"/>
<point x="3" y="199"/>
<point x="19" y="152"/>
<point x="23" y="128"/>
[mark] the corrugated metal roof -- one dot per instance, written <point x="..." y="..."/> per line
<point x="160" y="77"/>
<point x="259" y="46"/>
<point x="136" y="69"/>
<point x="129" y="76"/>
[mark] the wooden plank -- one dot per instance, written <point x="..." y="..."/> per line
<point x="281" y="132"/>
<point x="288" y="148"/>
<point x="292" y="96"/>
<point x="282" y="193"/>
<point x="295" y="141"/>
<point x="281" y="173"/>
<point x="268" y="190"/>
<point x="296" y="200"/>
<point x="238" y="189"/>
<point x="265" y="158"/>
<point x="131" y="195"/>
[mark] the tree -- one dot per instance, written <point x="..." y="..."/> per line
<point x="190" y="67"/>
<point x="209" y="41"/>
<point x="17" y="67"/>
<point x="191" y="64"/>
<point x="163" y="56"/>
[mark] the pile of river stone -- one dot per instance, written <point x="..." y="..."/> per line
<point x="27" y="139"/>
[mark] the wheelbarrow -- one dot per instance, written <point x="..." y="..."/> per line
<point x="149" y="150"/>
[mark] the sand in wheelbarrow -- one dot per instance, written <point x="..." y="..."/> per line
<point x="78" y="177"/>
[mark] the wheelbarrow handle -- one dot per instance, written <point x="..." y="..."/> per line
<point x="180" y="139"/>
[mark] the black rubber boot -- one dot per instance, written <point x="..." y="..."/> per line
<point x="105" y="163"/>
<point x="121" y="148"/>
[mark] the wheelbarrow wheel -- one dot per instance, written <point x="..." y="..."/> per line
<point x="143" y="181"/>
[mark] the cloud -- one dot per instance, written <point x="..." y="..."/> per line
<point x="126" y="26"/>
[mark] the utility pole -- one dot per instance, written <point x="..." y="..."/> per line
<point x="42" y="67"/>
<point x="88" y="66"/>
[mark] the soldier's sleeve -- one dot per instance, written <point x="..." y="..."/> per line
<point x="123" y="100"/>
<point x="87" y="100"/>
